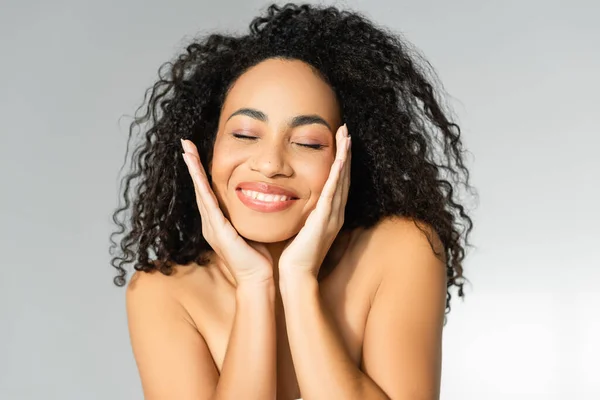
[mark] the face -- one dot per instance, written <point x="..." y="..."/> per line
<point x="274" y="149"/>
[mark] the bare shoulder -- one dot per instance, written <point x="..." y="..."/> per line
<point x="183" y="281"/>
<point x="406" y="229"/>
<point x="409" y="251"/>
<point x="403" y="336"/>
<point x="389" y="250"/>
<point x="398" y="236"/>
<point x="155" y="286"/>
<point x="171" y="355"/>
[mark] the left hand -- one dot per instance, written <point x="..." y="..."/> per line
<point x="306" y="252"/>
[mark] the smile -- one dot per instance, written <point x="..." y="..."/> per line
<point x="263" y="202"/>
<point x="264" y="196"/>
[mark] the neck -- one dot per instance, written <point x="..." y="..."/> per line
<point x="275" y="250"/>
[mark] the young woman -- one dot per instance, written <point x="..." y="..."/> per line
<point x="305" y="243"/>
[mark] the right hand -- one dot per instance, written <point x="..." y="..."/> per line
<point x="248" y="263"/>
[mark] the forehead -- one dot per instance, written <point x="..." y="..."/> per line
<point x="281" y="88"/>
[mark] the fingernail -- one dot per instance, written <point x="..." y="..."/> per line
<point x="184" y="157"/>
<point x="182" y="144"/>
<point x="346" y="128"/>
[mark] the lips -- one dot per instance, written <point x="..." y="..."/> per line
<point x="267" y="188"/>
<point x="267" y="204"/>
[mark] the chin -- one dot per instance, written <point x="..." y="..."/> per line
<point x="265" y="234"/>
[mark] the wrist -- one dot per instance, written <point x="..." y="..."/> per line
<point x="297" y="280"/>
<point x="291" y="272"/>
<point x="256" y="288"/>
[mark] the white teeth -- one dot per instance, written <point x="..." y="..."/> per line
<point x="261" y="197"/>
<point x="264" y="197"/>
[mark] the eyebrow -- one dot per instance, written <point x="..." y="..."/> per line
<point x="296" y="121"/>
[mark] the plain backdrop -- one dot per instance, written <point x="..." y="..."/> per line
<point x="524" y="81"/>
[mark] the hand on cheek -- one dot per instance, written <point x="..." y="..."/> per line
<point x="305" y="253"/>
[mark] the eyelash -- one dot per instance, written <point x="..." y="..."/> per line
<point x="310" y="146"/>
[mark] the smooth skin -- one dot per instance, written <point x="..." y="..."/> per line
<point x="391" y="350"/>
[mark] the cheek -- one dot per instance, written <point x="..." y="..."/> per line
<point x="222" y="167"/>
<point x="224" y="161"/>
<point x="316" y="174"/>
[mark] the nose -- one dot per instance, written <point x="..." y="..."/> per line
<point x="271" y="160"/>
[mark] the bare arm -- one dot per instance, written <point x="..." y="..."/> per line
<point x="173" y="359"/>
<point x="249" y="368"/>
<point x="323" y="366"/>
<point x="402" y="350"/>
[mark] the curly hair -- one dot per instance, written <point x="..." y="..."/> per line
<point x="407" y="152"/>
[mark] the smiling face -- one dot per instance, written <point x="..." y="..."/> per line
<point x="274" y="148"/>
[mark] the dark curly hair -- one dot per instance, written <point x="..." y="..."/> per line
<point x="405" y="147"/>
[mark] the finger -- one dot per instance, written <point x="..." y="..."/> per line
<point x="190" y="147"/>
<point x="209" y="200"/>
<point x="330" y="187"/>
<point x="343" y="155"/>
<point x="208" y="196"/>
<point x="346" y="179"/>
<point x="205" y="197"/>
<point x="340" y="155"/>
<point x="197" y="179"/>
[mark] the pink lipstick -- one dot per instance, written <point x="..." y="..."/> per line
<point x="264" y="197"/>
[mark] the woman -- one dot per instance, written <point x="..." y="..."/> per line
<point x="305" y="243"/>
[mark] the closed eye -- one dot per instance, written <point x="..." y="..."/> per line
<point x="244" y="137"/>
<point x="312" y="146"/>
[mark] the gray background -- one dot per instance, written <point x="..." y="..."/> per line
<point x="524" y="76"/>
